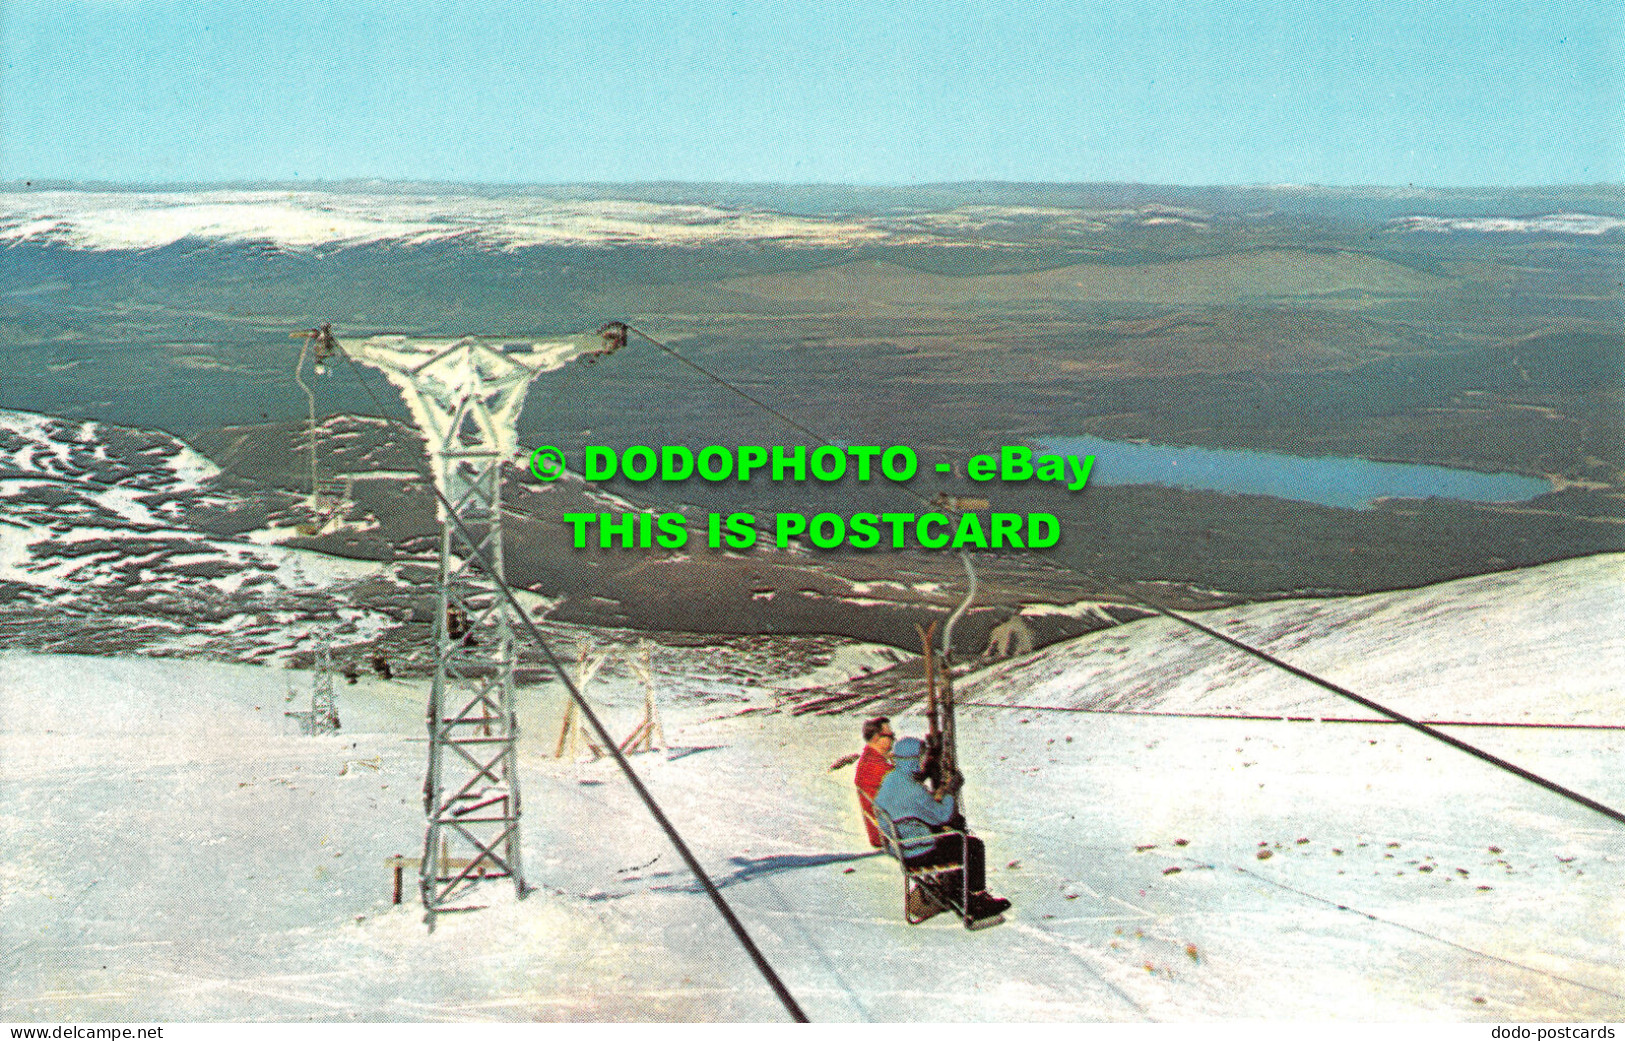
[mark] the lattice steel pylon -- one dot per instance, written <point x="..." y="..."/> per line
<point x="323" y="717"/>
<point x="465" y="396"/>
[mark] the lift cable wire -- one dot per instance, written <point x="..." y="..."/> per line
<point x="702" y="370"/>
<point x="1277" y="717"/>
<point x="1417" y="725"/>
<point x="659" y="815"/>
<point x="759" y="403"/>
<point x="756" y="956"/>
<point x="964" y="556"/>
<point x="1408" y="928"/>
<point x="1479" y="753"/>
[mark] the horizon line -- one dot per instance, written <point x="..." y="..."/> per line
<point x="75" y="184"/>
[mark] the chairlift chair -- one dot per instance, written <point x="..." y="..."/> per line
<point x="933" y="879"/>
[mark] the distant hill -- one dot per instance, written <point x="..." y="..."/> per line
<point x="1208" y="280"/>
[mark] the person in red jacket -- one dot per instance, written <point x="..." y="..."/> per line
<point x="873" y="766"/>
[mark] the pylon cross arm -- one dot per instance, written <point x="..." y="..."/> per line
<point x="448" y="382"/>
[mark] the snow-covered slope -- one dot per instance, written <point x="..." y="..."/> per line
<point x="1543" y="644"/>
<point x="172" y="851"/>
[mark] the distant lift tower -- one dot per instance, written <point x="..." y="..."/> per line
<point x="323" y="717"/>
<point x="465" y="396"/>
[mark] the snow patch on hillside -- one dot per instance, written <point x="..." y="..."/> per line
<point x="1546" y="224"/>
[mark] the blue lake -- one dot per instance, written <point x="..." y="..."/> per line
<point x="1328" y="480"/>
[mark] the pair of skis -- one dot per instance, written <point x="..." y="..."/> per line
<point x="942" y="737"/>
<point x="939" y="708"/>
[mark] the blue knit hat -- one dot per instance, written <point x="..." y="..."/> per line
<point x="908" y="748"/>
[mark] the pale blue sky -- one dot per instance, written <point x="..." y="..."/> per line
<point x="876" y="93"/>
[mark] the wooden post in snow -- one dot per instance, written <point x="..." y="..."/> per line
<point x="570" y="733"/>
<point x="646" y="733"/>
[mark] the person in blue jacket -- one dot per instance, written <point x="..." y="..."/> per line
<point x="920" y="814"/>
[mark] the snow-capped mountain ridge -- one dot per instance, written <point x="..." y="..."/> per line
<point x="302" y="220"/>
<point x="310" y="220"/>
